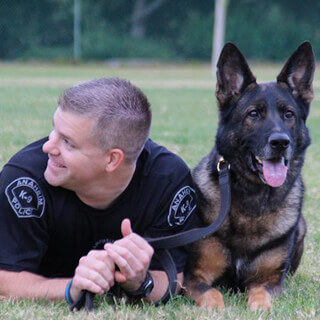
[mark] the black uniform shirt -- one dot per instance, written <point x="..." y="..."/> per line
<point x="46" y="229"/>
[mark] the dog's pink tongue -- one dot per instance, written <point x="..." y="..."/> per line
<point x="274" y="172"/>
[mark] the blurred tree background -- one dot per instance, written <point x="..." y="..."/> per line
<point x="154" y="29"/>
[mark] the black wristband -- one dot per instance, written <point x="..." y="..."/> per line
<point x="144" y="290"/>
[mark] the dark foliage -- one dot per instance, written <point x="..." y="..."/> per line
<point x="180" y="29"/>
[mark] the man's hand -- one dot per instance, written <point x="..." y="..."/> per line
<point x="132" y="254"/>
<point x="94" y="273"/>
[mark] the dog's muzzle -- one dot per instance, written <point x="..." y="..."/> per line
<point x="273" y="164"/>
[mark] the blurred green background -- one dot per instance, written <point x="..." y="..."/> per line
<point x="154" y="29"/>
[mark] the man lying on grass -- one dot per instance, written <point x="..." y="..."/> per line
<point x="74" y="206"/>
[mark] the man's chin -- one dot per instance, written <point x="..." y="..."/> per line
<point x="52" y="180"/>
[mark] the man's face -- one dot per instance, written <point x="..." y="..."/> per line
<point x="74" y="159"/>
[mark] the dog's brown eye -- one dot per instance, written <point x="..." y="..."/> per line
<point x="254" y="114"/>
<point x="289" y="114"/>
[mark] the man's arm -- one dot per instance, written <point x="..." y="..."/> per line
<point x="29" y="285"/>
<point x="94" y="273"/>
<point x="161" y="283"/>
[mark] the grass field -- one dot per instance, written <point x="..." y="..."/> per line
<point x="184" y="120"/>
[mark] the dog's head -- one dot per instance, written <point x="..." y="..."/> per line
<point x="262" y="131"/>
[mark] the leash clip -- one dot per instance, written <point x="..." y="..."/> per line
<point x="222" y="163"/>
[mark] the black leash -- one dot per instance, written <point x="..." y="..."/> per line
<point x="162" y="244"/>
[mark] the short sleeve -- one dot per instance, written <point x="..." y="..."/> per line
<point x="178" y="212"/>
<point x="23" y="221"/>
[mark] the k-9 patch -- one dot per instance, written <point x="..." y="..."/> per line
<point x="26" y="198"/>
<point x="182" y="205"/>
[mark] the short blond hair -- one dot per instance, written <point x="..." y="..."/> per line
<point x="121" y="110"/>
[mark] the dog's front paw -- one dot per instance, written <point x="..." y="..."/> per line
<point x="259" y="299"/>
<point x="210" y="299"/>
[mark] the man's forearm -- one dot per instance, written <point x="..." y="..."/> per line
<point x="161" y="283"/>
<point x="28" y="285"/>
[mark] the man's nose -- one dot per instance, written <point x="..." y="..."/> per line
<point x="51" y="146"/>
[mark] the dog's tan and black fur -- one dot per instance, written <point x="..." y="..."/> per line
<point x="263" y="136"/>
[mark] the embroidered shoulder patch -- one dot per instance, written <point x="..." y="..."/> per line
<point x="26" y="198"/>
<point x="182" y="205"/>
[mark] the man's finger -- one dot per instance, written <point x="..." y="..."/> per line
<point x="124" y="259"/>
<point x="120" y="277"/>
<point x="126" y="227"/>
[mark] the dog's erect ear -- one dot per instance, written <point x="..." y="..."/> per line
<point x="298" y="73"/>
<point x="233" y="74"/>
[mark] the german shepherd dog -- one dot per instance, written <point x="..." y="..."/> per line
<point x="262" y="135"/>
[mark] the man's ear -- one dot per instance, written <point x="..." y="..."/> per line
<point x="298" y="73"/>
<point x="233" y="74"/>
<point x="114" y="158"/>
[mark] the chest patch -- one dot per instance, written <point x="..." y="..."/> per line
<point x="26" y="198"/>
<point x="182" y="205"/>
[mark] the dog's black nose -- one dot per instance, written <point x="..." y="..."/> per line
<point x="279" y="141"/>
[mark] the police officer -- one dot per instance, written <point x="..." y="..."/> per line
<point x="74" y="207"/>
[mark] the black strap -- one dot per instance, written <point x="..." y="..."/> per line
<point x="164" y="257"/>
<point x="162" y="244"/>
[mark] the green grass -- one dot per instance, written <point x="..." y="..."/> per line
<point x="184" y="120"/>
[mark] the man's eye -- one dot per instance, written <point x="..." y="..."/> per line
<point x="68" y="143"/>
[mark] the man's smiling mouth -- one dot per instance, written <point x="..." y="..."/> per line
<point x="56" y="164"/>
